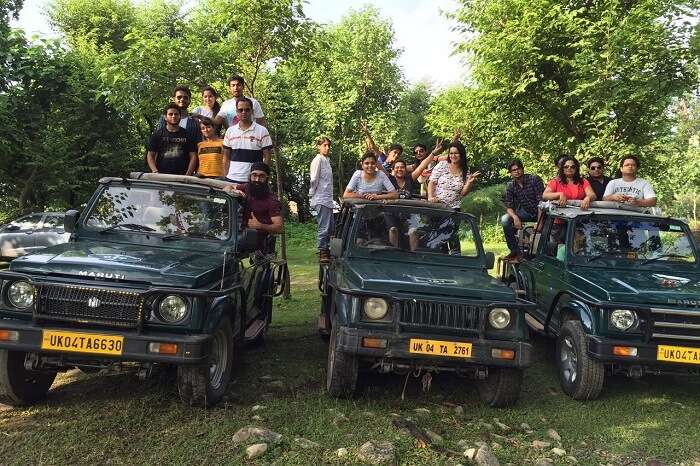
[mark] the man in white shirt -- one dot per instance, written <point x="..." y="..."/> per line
<point x="629" y="188"/>
<point x="227" y="114"/>
<point x="321" y="197"/>
<point x="245" y="143"/>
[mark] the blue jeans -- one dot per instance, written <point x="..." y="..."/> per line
<point x="509" y="230"/>
<point x="326" y="225"/>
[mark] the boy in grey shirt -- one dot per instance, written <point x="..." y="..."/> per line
<point x="629" y="188"/>
<point x="321" y="197"/>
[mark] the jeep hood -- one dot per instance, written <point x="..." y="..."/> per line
<point x="123" y="262"/>
<point x="640" y="286"/>
<point x="428" y="281"/>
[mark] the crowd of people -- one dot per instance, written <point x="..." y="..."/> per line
<point x="189" y="143"/>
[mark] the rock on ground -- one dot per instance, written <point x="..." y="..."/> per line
<point x="341" y="452"/>
<point x="255" y="434"/>
<point x="306" y="443"/>
<point x="540" y="444"/>
<point x="485" y="457"/>
<point x="256" y="450"/>
<point x="376" y="452"/>
<point x="544" y="462"/>
<point x="554" y="435"/>
<point x="559" y="451"/>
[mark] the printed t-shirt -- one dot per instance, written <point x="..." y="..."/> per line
<point x="637" y="189"/>
<point x="172" y="150"/>
<point x="572" y="191"/>
<point x="211" y="158"/>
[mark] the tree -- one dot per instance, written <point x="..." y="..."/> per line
<point x="591" y="78"/>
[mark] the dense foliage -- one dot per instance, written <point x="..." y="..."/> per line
<point x="592" y="78"/>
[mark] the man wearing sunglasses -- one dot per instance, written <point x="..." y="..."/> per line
<point x="596" y="176"/>
<point x="182" y="96"/>
<point x="523" y="194"/>
<point x="245" y="143"/>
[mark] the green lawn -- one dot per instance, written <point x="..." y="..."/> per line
<point x="118" y="420"/>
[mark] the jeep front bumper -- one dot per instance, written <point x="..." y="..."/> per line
<point x="350" y="340"/>
<point x="648" y="355"/>
<point x="191" y="349"/>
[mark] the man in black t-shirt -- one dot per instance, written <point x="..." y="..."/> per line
<point x="170" y="149"/>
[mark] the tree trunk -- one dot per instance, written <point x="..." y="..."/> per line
<point x="27" y="191"/>
<point x="283" y="241"/>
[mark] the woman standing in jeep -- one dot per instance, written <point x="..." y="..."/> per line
<point x="369" y="183"/>
<point x="450" y="180"/>
<point x="569" y="185"/>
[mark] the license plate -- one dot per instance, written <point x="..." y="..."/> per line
<point x="678" y="354"/>
<point x="82" y="342"/>
<point x="450" y="349"/>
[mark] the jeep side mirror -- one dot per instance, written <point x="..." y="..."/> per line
<point x="70" y="221"/>
<point x="490" y="260"/>
<point x="248" y="240"/>
<point x="336" y="247"/>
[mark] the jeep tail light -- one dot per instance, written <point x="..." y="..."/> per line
<point x="625" y="351"/>
<point x="9" y="335"/>
<point x="374" y="343"/>
<point x="162" y="348"/>
<point x="498" y="353"/>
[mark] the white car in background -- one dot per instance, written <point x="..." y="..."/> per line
<point x="30" y="233"/>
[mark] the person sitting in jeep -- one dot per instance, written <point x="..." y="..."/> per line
<point x="263" y="211"/>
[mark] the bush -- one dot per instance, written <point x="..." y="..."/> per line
<point x="300" y="234"/>
<point x="486" y="204"/>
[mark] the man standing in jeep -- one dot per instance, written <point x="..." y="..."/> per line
<point x="629" y="188"/>
<point x="523" y="194"/>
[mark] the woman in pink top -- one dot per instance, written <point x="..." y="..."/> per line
<point x="569" y="185"/>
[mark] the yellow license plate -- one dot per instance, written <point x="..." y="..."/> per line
<point x="82" y="342"/>
<point x="678" y="354"/>
<point x="450" y="349"/>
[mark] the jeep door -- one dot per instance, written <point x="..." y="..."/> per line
<point x="549" y="274"/>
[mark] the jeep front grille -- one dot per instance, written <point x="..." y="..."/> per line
<point x="442" y="316"/>
<point x="675" y="324"/>
<point x="71" y="303"/>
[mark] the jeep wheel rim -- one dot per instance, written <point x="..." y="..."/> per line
<point x="568" y="360"/>
<point x="218" y="359"/>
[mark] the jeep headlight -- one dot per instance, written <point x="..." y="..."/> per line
<point x="20" y="294"/>
<point x="623" y="319"/>
<point x="499" y="318"/>
<point x="375" y="308"/>
<point x="173" y="308"/>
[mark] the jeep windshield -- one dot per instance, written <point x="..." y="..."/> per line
<point x="639" y="241"/>
<point x="160" y="211"/>
<point x="402" y="230"/>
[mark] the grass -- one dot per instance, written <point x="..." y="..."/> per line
<point x="117" y="419"/>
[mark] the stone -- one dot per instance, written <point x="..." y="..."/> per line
<point x="571" y="459"/>
<point x="257" y="418"/>
<point x="257" y="408"/>
<point x="341" y="452"/>
<point x="525" y="426"/>
<point x="540" y="444"/>
<point x="470" y="453"/>
<point x="255" y="434"/>
<point x="434" y="437"/>
<point x="554" y="435"/>
<point x="306" y="444"/>
<point x="487" y="426"/>
<point x="422" y="411"/>
<point x="496" y="446"/>
<point x="255" y="450"/>
<point x="485" y="457"/>
<point x="376" y="452"/>
<point x="459" y="411"/>
<point x="500" y="425"/>
<point x="559" y="451"/>
<point x="544" y="462"/>
<point x="463" y="444"/>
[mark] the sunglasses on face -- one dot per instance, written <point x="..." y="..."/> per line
<point x="243" y="110"/>
<point x="595" y="167"/>
<point x="570" y="166"/>
<point x="181" y="97"/>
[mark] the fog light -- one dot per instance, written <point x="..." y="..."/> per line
<point x="374" y="343"/>
<point x="624" y="351"/>
<point x="9" y="335"/>
<point x="623" y="319"/>
<point x="498" y="353"/>
<point x="162" y="348"/>
<point x="499" y="318"/>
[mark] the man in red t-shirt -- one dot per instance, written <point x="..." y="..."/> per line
<point x="263" y="211"/>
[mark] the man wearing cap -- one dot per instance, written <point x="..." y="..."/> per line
<point x="263" y="211"/>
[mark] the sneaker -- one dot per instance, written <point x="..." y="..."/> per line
<point x="324" y="256"/>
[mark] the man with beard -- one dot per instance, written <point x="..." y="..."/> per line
<point x="263" y="212"/>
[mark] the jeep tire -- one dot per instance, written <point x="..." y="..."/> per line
<point x="501" y="388"/>
<point x="19" y="386"/>
<point x="205" y="384"/>
<point x="342" y="369"/>
<point x="581" y="377"/>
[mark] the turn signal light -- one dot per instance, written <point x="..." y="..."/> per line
<point x="624" y="351"/>
<point x="497" y="353"/>
<point x="9" y="335"/>
<point x="162" y="348"/>
<point x="374" y="343"/>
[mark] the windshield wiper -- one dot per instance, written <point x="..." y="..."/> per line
<point x="387" y="248"/>
<point x="591" y="259"/>
<point x="128" y="226"/>
<point x="178" y="236"/>
<point x="663" y="256"/>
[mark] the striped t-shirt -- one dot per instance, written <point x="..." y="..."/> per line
<point x="247" y="147"/>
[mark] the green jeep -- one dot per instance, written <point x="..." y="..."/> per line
<point x="407" y="289"/>
<point x="152" y="275"/>
<point x="617" y="286"/>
